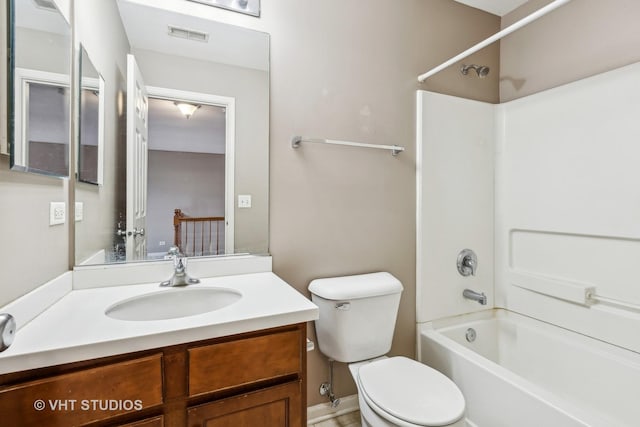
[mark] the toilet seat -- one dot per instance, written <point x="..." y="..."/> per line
<point x="408" y="393"/>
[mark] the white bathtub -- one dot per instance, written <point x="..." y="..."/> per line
<point x="520" y="372"/>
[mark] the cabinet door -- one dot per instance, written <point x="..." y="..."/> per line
<point x="278" y="406"/>
<point x="149" y="422"/>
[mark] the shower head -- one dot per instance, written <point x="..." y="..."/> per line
<point x="481" y="70"/>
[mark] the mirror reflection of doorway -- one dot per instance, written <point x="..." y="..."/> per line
<point x="186" y="178"/>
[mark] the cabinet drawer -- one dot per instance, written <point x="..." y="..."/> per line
<point x="278" y="406"/>
<point x="236" y="363"/>
<point x="85" y="396"/>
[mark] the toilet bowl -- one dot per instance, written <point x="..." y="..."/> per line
<point x="357" y="320"/>
<point x="398" y="391"/>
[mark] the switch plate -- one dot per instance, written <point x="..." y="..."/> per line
<point x="244" y="200"/>
<point x="57" y="213"/>
<point x="79" y="211"/>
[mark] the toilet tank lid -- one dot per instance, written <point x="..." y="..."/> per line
<point x="357" y="286"/>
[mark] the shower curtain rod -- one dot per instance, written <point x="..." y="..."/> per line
<point x="296" y="140"/>
<point x="497" y="36"/>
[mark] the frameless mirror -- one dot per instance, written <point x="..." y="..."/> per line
<point x="196" y="170"/>
<point x="39" y="78"/>
<point x="91" y="123"/>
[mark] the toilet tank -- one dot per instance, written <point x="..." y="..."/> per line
<point x="357" y="315"/>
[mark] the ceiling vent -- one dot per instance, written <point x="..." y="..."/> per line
<point x="185" y="33"/>
<point x="46" y="5"/>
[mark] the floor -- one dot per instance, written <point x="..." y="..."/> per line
<point x="352" y="419"/>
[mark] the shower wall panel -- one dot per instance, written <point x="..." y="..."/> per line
<point x="568" y="205"/>
<point x="455" y="149"/>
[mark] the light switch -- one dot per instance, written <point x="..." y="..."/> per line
<point x="57" y="213"/>
<point x="79" y="211"/>
<point x="244" y="200"/>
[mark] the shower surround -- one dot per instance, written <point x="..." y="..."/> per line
<point x="544" y="189"/>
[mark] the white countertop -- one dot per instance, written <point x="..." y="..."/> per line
<point x="75" y="327"/>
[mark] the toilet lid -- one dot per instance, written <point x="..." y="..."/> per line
<point x="412" y="392"/>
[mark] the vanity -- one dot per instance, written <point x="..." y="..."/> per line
<point x="104" y="343"/>
<point x="243" y="364"/>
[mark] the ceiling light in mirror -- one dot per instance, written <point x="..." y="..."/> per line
<point x="186" y="109"/>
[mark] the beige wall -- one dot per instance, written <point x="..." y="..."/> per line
<point x="338" y="70"/>
<point x="347" y="72"/>
<point x="32" y="252"/>
<point x="578" y="40"/>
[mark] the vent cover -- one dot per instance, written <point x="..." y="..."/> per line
<point x="46" y="4"/>
<point x="185" y="33"/>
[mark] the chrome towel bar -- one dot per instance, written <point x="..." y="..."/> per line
<point x="297" y="140"/>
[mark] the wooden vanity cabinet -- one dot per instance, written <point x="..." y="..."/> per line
<point x="251" y="379"/>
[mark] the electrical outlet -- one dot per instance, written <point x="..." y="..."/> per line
<point x="79" y="214"/>
<point x="57" y="213"/>
<point x="244" y="200"/>
<point x="162" y="243"/>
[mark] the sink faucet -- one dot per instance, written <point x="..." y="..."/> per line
<point x="180" y="276"/>
<point x="475" y="296"/>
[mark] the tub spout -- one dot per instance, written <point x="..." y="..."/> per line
<point x="475" y="296"/>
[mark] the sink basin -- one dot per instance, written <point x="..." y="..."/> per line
<point x="173" y="303"/>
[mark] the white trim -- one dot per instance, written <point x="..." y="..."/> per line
<point x="23" y="77"/>
<point x="324" y="411"/>
<point x="229" y="104"/>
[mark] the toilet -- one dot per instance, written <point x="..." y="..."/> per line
<point x="356" y="324"/>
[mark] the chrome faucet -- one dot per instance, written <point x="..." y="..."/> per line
<point x="475" y="296"/>
<point x="467" y="262"/>
<point x="180" y="276"/>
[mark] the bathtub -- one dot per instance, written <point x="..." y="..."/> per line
<point x="520" y="372"/>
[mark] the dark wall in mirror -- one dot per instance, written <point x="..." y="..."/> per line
<point x="91" y="123"/>
<point x="39" y="79"/>
<point x="233" y="65"/>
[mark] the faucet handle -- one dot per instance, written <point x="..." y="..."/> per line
<point x="180" y="263"/>
<point x="467" y="262"/>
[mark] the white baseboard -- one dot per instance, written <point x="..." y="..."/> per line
<point x="324" y="411"/>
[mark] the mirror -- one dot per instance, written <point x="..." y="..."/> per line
<point x="207" y="171"/>
<point x="39" y="82"/>
<point x="91" y="123"/>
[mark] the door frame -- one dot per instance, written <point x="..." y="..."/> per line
<point x="229" y="103"/>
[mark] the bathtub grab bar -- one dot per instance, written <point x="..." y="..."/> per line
<point x="576" y="292"/>
<point x="612" y="301"/>
<point x="296" y="140"/>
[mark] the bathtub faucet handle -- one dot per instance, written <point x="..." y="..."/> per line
<point x="467" y="262"/>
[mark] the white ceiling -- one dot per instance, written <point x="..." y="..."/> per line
<point x="28" y="15"/>
<point x="496" y="7"/>
<point x="147" y="28"/>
